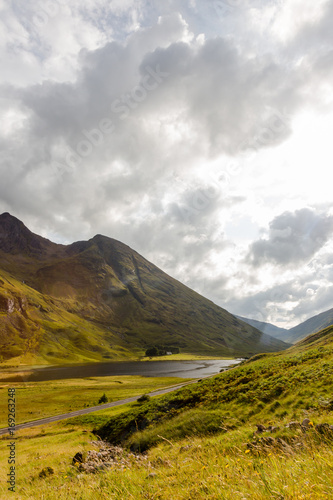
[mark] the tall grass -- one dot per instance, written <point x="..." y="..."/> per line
<point x="216" y="467"/>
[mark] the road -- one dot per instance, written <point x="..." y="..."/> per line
<point x="85" y="411"/>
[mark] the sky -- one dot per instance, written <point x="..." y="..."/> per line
<point x="198" y="132"/>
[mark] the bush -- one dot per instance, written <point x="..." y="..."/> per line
<point x="143" y="398"/>
<point x="103" y="399"/>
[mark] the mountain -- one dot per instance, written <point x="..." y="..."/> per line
<point x="268" y="328"/>
<point x="299" y="332"/>
<point x="312" y="325"/>
<point x="99" y="299"/>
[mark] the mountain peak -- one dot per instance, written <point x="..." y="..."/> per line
<point x="6" y="216"/>
<point x="16" y="238"/>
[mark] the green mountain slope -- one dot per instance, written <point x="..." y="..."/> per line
<point x="99" y="299"/>
<point x="268" y="389"/>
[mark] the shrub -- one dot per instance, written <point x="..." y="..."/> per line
<point x="143" y="398"/>
<point x="103" y="399"/>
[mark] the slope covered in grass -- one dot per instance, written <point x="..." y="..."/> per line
<point x="201" y="442"/>
<point x="36" y="328"/>
<point x="266" y="388"/>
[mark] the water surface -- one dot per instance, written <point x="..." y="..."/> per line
<point x="182" y="369"/>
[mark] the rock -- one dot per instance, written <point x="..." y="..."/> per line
<point x="101" y="467"/>
<point x="79" y="458"/>
<point x="271" y="428"/>
<point x="46" y="472"/>
<point x="323" y="429"/>
<point x="260" y="428"/>
<point x="294" y="425"/>
<point x="285" y="446"/>
<point x="306" y="422"/>
<point x="151" y="475"/>
<point x="92" y="461"/>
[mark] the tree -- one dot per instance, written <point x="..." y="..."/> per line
<point x="152" y="351"/>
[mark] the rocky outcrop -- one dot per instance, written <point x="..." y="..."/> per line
<point x="106" y="457"/>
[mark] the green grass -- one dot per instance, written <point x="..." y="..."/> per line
<point x="266" y="389"/>
<point x="182" y="357"/>
<point x="35" y="400"/>
<point x="49" y="330"/>
<point x="198" y="439"/>
<point x="211" y="467"/>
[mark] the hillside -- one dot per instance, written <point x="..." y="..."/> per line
<point x="312" y="325"/>
<point x="293" y="335"/>
<point x="99" y="299"/>
<point x="261" y="430"/>
<point x="263" y="389"/>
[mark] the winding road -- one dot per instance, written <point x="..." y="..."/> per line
<point x="85" y="411"/>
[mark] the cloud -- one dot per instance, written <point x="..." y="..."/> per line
<point x="168" y="102"/>
<point x="118" y="115"/>
<point x="293" y="238"/>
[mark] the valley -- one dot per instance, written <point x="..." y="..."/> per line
<point x="238" y="434"/>
<point x="75" y="324"/>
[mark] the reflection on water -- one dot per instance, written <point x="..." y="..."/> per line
<point x="182" y="369"/>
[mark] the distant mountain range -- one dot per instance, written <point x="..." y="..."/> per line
<point x="98" y="300"/>
<point x="299" y="332"/>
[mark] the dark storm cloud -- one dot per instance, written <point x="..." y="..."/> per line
<point x="293" y="237"/>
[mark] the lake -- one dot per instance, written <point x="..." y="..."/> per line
<point x="181" y="369"/>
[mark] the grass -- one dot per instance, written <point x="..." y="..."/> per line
<point x="270" y="387"/>
<point x="200" y="441"/>
<point x="183" y="356"/>
<point x="37" y="400"/>
<point x="46" y="330"/>
<point x="211" y="467"/>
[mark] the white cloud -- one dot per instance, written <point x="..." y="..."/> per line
<point x="180" y="130"/>
<point x="292" y="238"/>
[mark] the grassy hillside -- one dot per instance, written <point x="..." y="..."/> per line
<point x="99" y="299"/>
<point x="39" y="329"/>
<point x="264" y="389"/>
<point x="203" y="442"/>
